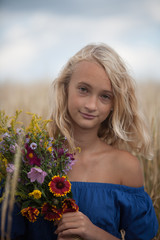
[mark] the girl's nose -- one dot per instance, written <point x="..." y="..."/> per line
<point x="91" y="103"/>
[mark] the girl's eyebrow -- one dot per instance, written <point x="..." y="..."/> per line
<point x="84" y="83"/>
<point x="88" y="85"/>
<point x="107" y="91"/>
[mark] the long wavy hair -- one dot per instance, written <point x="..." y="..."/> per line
<point x="125" y="127"/>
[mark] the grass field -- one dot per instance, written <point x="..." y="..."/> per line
<point x="150" y="100"/>
<point x="34" y="98"/>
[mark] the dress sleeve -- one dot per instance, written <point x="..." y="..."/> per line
<point x="138" y="218"/>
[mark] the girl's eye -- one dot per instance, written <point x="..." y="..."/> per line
<point x="106" y="97"/>
<point x="83" y="89"/>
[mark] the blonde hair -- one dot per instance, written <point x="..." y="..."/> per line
<point x="125" y="127"/>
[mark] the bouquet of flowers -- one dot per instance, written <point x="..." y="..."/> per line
<point x="43" y="188"/>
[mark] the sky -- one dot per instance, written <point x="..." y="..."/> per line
<point x="38" y="37"/>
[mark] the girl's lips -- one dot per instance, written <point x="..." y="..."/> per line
<point x="87" y="116"/>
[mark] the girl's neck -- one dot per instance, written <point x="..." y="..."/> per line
<point x="86" y="139"/>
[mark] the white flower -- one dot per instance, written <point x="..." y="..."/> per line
<point x="19" y="131"/>
<point x="33" y="146"/>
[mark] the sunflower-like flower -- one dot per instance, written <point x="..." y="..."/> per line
<point x="30" y="213"/>
<point x="50" y="212"/>
<point x="59" y="186"/>
<point x="69" y="205"/>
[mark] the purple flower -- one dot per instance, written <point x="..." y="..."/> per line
<point x="12" y="148"/>
<point x="10" y="168"/>
<point x="2" y="146"/>
<point x="2" y="142"/>
<point x="40" y="142"/>
<point x="27" y="140"/>
<point x="51" y="138"/>
<point x="33" y="146"/>
<point x="37" y="174"/>
<point x="6" y="134"/>
<point x="69" y="166"/>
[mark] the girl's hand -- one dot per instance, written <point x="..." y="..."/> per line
<point x="74" y="225"/>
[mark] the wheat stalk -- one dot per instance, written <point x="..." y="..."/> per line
<point x="10" y="189"/>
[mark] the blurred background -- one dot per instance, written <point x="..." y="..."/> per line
<point x="37" y="37"/>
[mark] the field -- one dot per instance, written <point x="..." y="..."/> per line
<point x="34" y="98"/>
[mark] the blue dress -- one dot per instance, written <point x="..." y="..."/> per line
<point x="111" y="207"/>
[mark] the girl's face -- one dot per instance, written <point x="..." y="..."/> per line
<point x="90" y="96"/>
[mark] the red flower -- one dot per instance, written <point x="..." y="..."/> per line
<point x="50" y="212"/>
<point x="58" y="152"/>
<point x="32" y="157"/>
<point x="70" y="156"/>
<point x="59" y="186"/>
<point x="69" y="205"/>
<point x="30" y="213"/>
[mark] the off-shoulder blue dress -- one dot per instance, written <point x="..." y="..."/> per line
<point x="111" y="207"/>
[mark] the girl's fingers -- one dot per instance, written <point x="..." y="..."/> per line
<point x="67" y="225"/>
<point x="70" y="214"/>
<point x="70" y="217"/>
<point x="74" y="234"/>
<point x="73" y="224"/>
<point x="68" y="238"/>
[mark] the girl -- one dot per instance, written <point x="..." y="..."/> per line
<point x="95" y="107"/>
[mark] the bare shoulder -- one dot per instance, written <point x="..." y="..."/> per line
<point x="130" y="169"/>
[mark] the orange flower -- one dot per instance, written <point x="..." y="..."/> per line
<point x="59" y="186"/>
<point x="50" y="212"/>
<point x="30" y="213"/>
<point x="69" y="205"/>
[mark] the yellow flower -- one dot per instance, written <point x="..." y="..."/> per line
<point x="79" y="149"/>
<point x="45" y="144"/>
<point x="36" y="194"/>
<point x="5" y="162"/>
<point x="50" y="149"/>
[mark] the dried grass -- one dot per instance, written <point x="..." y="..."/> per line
<point x="34" y="98"/>
<point x="150" y="100"/>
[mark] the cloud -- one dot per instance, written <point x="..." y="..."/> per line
<point x="143" y="65"/>
<point x="84" y="8"/>
<point x="153" y="8"/>
<point x="37" y="43"/>
<point x="23" y="42"/>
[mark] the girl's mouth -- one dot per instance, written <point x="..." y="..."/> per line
<point x="87" y="116"/>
